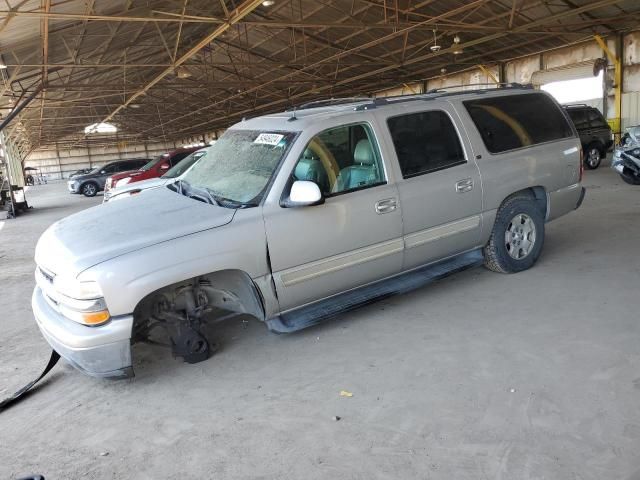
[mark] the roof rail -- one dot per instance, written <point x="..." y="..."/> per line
<point x="500" y="85"/>
<point x="576" y="105"/>
<point x="368" y="103"/>
<point x="438" y="93"/>
<point x="328" y="102"/>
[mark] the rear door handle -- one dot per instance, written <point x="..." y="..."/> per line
<point x="465" y="185"/>
<point x="385" y="206"/>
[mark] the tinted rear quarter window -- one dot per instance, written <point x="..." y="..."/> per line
<point x="516" y="121"/>
<point x="578" y="117"/>
<point x="596" y="119"/>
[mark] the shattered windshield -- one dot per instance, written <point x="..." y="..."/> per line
<point x="239" y="166"/>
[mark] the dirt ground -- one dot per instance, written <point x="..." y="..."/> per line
<point x="479" y="376"/>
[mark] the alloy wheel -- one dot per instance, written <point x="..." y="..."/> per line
<point x="520" y="236"/>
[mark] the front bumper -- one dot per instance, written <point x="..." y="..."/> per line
<point x="103" y="351"/>
<point x="73" y="187"/>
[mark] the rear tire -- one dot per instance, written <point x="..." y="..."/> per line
<point x="594" y="156"/>
<point x="89" y="189"/>
<point x="630" y="179"/>
<point x="517" y="237"/>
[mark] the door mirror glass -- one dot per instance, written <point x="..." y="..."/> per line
<point x="303" y="194"/>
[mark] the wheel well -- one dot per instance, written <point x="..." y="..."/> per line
<point x="537" y="193"/>
<point x="225" y="292"/>
<point x="597" y="144"/>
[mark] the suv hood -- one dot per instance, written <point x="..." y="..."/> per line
<point x="141" y="185"/>
<point x="113" y="229"/>
<point x="84" y="176"/>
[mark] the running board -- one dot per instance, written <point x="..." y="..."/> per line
<point x="320" y="311"/>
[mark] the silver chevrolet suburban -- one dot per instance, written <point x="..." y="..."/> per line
<point x="296" y="217"/>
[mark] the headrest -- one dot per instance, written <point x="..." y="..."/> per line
<point x="363" y="153"/>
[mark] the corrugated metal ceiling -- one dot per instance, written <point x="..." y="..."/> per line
<point x="99" y="54"/>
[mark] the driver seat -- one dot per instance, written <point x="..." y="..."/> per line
<point x="363" y="172"/>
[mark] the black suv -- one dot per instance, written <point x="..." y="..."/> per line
<point x="594" y="131"/>
<point x="93" y="182"/>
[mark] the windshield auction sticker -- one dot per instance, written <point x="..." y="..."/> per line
<point x="269" y="138"/>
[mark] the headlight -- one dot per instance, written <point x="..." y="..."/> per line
<point x="76" y="289"/>
<point x="80" y="301"/>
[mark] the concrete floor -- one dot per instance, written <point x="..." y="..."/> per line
<point x="480" y="376"/>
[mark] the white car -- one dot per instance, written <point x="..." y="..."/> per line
<point x="172" y="174"/>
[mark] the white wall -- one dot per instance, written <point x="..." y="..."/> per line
<point x="60" y="163"/>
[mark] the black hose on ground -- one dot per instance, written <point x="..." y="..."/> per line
<point x="7" y="402"/>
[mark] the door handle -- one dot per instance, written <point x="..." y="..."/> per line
<point x="385" y="206"/>
<point x="463" y="186"/>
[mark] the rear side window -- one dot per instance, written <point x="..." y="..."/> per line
<point x="578" y="117"/>
<point x="425" y="142"/>
<point x="517" y="121"/>
<point x="126" y="166"/>
<point x="596" y="119"/>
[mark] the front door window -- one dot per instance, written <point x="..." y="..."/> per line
<point x="341" y="159"/>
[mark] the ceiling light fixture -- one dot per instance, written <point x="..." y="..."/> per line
<point x="457" y="49"/>
<point x="435" y="47"/>
<point x="183" y="72"/>
<point x="2" y="66"/>
<point x="268" y="3"/>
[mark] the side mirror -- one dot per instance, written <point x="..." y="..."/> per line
<point x="164" y="166"/>
<point x="304" y="194"/>
<point x="103" y="172"/>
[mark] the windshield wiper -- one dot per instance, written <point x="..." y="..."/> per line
<point x="228" y="202"/>
<point x="179" y="186"/>
<point x="185" y="188"/>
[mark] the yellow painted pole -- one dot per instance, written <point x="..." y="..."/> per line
<point x="490" y="75"/>
<point x="617" y="120"/>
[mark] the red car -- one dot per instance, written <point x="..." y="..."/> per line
<point x="154" y="169"/>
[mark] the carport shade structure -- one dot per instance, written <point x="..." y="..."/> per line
<point x="170" y="70"/>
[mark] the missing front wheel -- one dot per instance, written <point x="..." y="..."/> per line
<point x="191" y="345"/>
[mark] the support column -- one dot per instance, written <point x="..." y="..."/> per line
<point x="59" y="161"/>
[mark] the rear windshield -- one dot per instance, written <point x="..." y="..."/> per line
<point x="516" y="121"/>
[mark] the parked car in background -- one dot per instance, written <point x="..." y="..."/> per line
<point x="595" y="133"/>
<point x="126" y="190"/>
<point x="93" y="182"/>
<point x="626" y="156"/>
<point x="82" y="171"/>
<point x="153" y="169"/>
<point x="296" y="217"/>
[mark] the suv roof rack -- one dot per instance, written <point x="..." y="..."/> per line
<point x="439" y="93"/>
<point x="328" y="102"/>
<point x="368" y="102"/>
